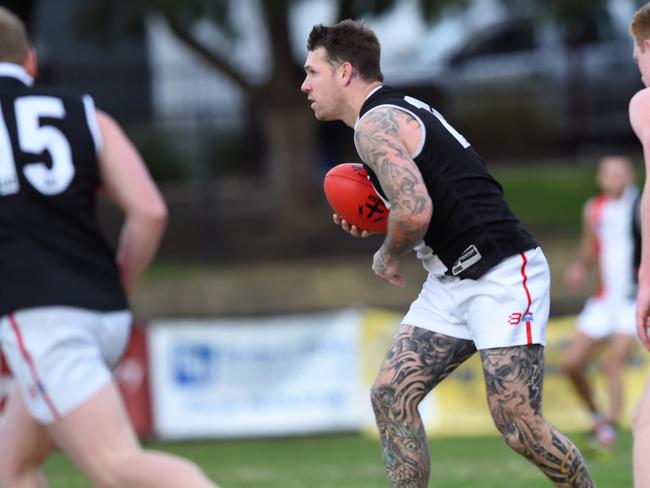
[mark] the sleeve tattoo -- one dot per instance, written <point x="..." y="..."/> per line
<point x="379" y="141"/>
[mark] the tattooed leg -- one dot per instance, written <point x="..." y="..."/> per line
<point x="514" y="377"/>
<point x="417" y="361"/>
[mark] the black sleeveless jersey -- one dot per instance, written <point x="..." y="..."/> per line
<point x="52" y="252"/>
<point x="472" y="228"/>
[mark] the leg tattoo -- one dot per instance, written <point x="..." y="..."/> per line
<point x="416" y="362"/>
<point x="514" y="378"/>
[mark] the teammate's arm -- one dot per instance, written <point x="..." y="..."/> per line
<point x="380" y="139"/>
<point x="640" y="121"/>
<point x="577" y="271"/>
<point x="127" y="183"/>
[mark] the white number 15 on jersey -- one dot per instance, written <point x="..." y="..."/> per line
<point x="34" y="138"/>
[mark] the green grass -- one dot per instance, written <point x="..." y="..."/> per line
<point x="548" y="197"/>
<point x="351" y="461"/>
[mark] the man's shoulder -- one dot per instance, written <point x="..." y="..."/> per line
<point x="64" y="93"/>
<point x="641" y="99"/>
<point x="59" y="91"/>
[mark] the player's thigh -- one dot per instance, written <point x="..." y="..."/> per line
<point x="97" y="434"/>
<point x="619" y="348"/>
<point x="514" y="377"/>
<point x="509" y="305"/>
<point x="420" y="359"/>
<point x="579" y="350"/>
<point x="24" y="443"/>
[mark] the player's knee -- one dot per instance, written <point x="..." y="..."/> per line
<point x="15" y="472"/>
<point x="109" y="477"/>
<point x="110" y="472"/>
<point x="513" y="436"/>
<point x="612" y="365"/>
<point x="508" y="422"/>
<point x="382" y="397"/>
<point x="12" y="475"/>
<point x="571" y="367"/>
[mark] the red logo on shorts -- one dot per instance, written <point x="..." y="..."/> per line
<point x="517" y="318"/>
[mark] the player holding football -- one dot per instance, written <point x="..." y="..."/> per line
<point x="64" y="319"/>
<point x="488" y="282"/>
<point x="640" y="121"/>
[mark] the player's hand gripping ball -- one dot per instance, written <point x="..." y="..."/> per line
<point x="350" y="193"/>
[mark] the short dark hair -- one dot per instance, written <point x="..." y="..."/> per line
<point x="640" y="27"/>
<point x="14" y="44"/>
<point x="350" y="41"/>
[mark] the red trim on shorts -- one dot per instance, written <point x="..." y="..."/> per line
<point x="529" y="332"/>
<point x="596" y="210"/>
<point x="32" y="368"/>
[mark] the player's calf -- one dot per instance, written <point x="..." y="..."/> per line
<point x="514" y="378"/>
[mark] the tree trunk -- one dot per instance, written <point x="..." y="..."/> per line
<point x="293" y="169"/>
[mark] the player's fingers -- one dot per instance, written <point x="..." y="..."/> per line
<point x="642" y="329"/>
<point x="336" y="219"/>
<point x="356" y="232"/>
<point x="398" y="280"/>
<point x="395" y="279"/>
<point x="644" y="336"/>
<point x="645" y="340"/>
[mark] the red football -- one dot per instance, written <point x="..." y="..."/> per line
<point x="350" y="193"/>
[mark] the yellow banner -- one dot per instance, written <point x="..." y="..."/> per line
<point x="458" y="406"/>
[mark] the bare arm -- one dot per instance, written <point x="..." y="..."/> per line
<point x="127" y="183"/>
<point x="382" y="137"/>
<point x="640" y="121"/>
<point x="576" y="272"/>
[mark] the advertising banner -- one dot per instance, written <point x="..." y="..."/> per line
<point x="255" y="377"/>
<point x="132" y="378"/>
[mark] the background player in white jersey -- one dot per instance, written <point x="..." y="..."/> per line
<point x="640" y="121"/>
<point x="488" y="281"/>
<point x="608" y="316"/>
<point x="64" y="320"/>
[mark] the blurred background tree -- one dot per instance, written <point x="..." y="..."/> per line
<point x="274" y="141"/>
<point x="286" y="122"/>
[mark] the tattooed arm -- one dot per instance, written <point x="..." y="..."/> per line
<point x="383" y="137"/>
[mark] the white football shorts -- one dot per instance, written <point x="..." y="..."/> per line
<point x="603" y="317"/>
<point x="61" y="356"/>
<point x="508" y="306"/>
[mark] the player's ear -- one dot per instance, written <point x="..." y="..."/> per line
<point x="31" y="63"/>
<point x="346" y="72"/>
<point x="646" y="44"/>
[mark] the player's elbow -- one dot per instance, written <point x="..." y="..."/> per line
<point x="153" y="212"/>
<point x="413" y="225"/>
<point x="420" y="221"/>
<point x="159" y="214"/>
<point x="420" y="215"/>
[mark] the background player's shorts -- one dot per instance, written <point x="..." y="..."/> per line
<point x="61" y="356"/>
<point x="603" y="317"/>
<point x="508" y="306"/>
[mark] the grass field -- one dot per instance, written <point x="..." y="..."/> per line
<point x="351" y="461"/>
<point x="548" y="198"/>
